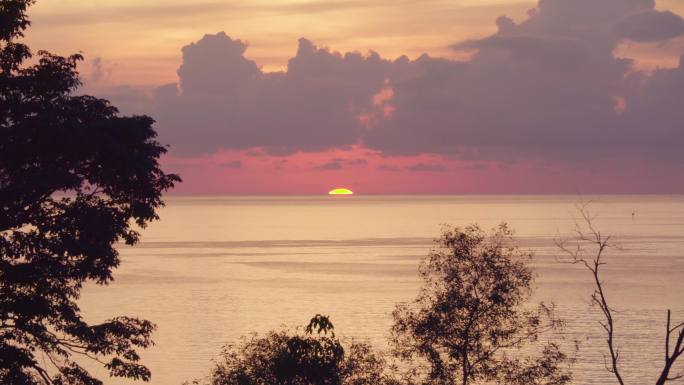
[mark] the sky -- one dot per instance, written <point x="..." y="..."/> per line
<point x="392" y="96"/>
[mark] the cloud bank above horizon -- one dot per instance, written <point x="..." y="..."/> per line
<point x="550" y="90"/>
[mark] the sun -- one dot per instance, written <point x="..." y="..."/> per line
<point x="341" y="191"/>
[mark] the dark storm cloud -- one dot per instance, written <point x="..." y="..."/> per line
<point x="548" y="88"/>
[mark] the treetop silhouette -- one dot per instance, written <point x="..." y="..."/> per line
<point x="75" y="179"/>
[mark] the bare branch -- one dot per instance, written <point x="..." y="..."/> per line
<point x="587" y="234"/>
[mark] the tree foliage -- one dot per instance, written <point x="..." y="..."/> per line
<point x="75" y="178"/>
<point x="471" y="321"/>
<point x="315" y="357"/>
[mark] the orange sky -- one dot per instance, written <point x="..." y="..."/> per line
<point x="139" y="42"/>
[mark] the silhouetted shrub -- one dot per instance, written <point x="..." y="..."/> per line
<point x="286" y="357"/>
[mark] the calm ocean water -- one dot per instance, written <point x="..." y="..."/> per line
<point x="216" y="268"/>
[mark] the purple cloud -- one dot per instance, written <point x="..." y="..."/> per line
<point x="651" y="26"/>
<point x="423" y="167"/>
<point x="546" y="89"/>
<point x="225" y="101"/>
<point x="339" y="164"/>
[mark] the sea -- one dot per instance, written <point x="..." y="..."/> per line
<point x="215" y="268"/>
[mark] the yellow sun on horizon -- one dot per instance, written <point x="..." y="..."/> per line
<point x="341" y="191"/>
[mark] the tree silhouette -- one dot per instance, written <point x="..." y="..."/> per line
<point x="75" y="178"/>
<point x="315" y="357"/>
<point x="470" y="322"/>
<point x="590" y="240"/>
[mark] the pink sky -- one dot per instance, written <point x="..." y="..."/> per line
<point x="366" y="172"/>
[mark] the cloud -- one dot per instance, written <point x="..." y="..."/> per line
<point x="330" y="166"/>
<point x="651" y="26"/>
<point x="339" y="164"/>
<point x="548" y="88"/>
<point x="225" y="101"/>
<point x="97" y="72"/>
<point x="422" y="167"/>
<point x="388" y="167"/>
<point x="235" y="164"/>
<point x="356" y="162"/>
<point x="417" y="167"/>
<point x="129" y="100"/>
<point x="653" y="116"/>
